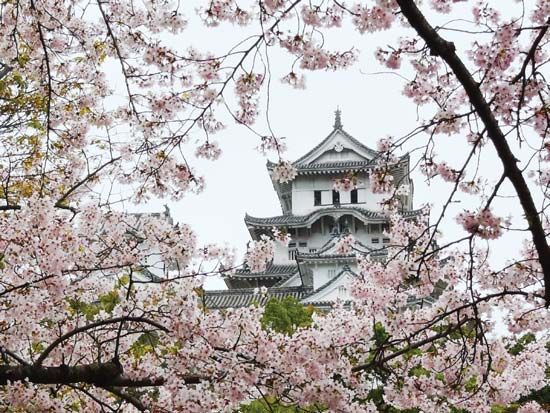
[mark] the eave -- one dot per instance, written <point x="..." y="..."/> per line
<point x="297" y="221"/>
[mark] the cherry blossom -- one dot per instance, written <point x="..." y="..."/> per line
<point x="482" y="223"/>
<point x="281" y="236"/>
<point x="259" y="254"/>
<point x="102" y="309"/>
<point x="345" y="184"/>
<point x="345" y="244"/>
<point x="272" y="143"/>
<point x="381" y="181"/>
<point x="284" y="172"/>
<point x="246" y="88"/>
<point x="208" y="150"/>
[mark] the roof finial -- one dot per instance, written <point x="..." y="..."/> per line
<point x="338" y="118"/>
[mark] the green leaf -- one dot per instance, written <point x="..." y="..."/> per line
<point x="286" y="315"/>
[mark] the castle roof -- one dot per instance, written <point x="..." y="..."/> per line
<point x="337" y="131"/>
<point x="317" y="296"/>
<point x="243" y="297"/>
<point x="336" y="141"/>
<point x="272" y="271"/>
<point x="290" y="220"/>
<point x="338" y="153"/>
<point x="329" y="167"/>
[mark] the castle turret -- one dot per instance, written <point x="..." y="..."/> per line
<point x="316" y="216"/>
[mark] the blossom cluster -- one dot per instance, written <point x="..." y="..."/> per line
<point x="344" y="184"/>
<point x="284" y="172"/>
<point x="345" y="243"/>
<point x="208" y="150"/>
<point x="259" y="254"/>
<point x="272" y="143"/>
<point x="381" y="181"/>
<point x="483" y="223"/>
<point x="281" y="236"/>
<point x="246" y="88"/>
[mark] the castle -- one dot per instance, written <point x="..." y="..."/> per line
<point x="310" y="268"/>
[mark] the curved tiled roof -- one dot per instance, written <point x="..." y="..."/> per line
<point x="345" y="270"/>
<point x="335" y="166"/>
<point x="309" y="256"/>
<point x="329" y="167"/>
<point x="297" y="220"/>
<point x="271" y="271"/>
<point x="243" y="297"/>
<point x="331" y="243"/>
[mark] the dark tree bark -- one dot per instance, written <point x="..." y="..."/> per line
<point x="446" y="50"/>
<point x="109" y="374"/>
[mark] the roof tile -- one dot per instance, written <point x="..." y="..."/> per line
<point x="294" y="220"/>
<point x="243" y="297"/>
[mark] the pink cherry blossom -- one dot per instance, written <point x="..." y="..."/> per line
<point x="284" y="171"/>
<point x="482" y="223"/>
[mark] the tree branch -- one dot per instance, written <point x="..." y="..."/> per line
<point x="380" y="362"/>
<point x="532" y="51"/>
<point x="446" y="50"/>
<point x="90" y="326"/>
<point x="105" y="375"/>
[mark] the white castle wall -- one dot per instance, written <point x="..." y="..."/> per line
<point x="303" y="188"/>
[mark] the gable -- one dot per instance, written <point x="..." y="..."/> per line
<point x="331" y="155"/>
<point x="338" y="146"/>
<point x="333" y="290"/>
<point x="294" y="281"/>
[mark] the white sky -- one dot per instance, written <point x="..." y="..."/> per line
<point x="372" y="107"/>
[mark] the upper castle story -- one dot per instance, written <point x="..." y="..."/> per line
<point x="335" y="157"/>
<point x="313" y="212"/>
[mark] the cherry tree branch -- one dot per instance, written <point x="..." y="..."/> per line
<point x="91" y="175"/>
<point x="91" y="326"/>
<point x="380" y="361"/>
<point x="532" y="51"/>
<point x="107" y="375"/>
<point x="4" y="70"/>
<point x="446" y="50"/>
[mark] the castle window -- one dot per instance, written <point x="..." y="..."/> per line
<point x="292" y="251"/>
<point x="335" y="197"/>
<point x="302" y="244"/>
<point x="312" y="250"/>
<point x="353" y="196"/>
<point x="316" y="198"/>
<point x="376" y="240"/>
<point x="385" y="240"/>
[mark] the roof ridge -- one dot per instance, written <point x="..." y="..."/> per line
<point x="240" y="291"/>
<point x="292" y="219"/>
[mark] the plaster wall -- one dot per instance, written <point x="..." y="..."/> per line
<point x="323" y="273"/>
<point x="333" y="156"/>
<point x="303" y="188"/>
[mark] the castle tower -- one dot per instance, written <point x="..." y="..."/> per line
<point x="316" y="216"/>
